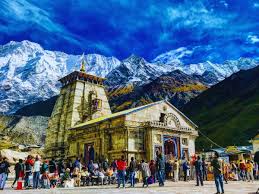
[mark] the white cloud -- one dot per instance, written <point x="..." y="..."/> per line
<point x="252" y="39"/>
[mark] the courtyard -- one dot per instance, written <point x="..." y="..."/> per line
<point x="170" y="187"/>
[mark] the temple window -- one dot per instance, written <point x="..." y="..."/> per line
<point x="185" y="141"/>
<point x="96" y="104"/>
<point x="162" y="118"/>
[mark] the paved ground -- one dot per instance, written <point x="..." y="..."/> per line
<point x="170" y="187"/>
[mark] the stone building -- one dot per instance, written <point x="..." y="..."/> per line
<point x="255" y="143"/>
<point x="82" y="125"/>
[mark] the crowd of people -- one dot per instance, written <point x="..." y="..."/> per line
<point x="37" y="173"/>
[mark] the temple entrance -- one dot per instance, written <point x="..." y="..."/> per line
<point x="88" y="152"/>
<point x="172" y="147"/>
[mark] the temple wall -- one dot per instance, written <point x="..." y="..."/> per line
<point x="153" y="114"/>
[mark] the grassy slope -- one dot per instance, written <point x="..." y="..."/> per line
<point x="229" y="111"/>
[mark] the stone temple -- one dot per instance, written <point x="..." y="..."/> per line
<point x="82" y="125"/>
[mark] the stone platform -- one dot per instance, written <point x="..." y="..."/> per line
<point x="170" y="187"/>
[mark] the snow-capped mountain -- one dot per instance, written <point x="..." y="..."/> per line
<point x="28" y="73"/>
<point x="138" y="71"/>
<point x="174" y="59"/>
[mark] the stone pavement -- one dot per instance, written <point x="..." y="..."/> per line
<point x="170" y="187"/>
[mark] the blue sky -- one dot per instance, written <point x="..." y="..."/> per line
<point x="220" y="29"/>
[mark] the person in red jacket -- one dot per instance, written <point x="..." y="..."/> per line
<point x="121" y="166"/>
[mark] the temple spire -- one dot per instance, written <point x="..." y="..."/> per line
<point x="82" y="68"/>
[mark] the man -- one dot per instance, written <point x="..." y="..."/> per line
<point x="185" y="169"/>
<point x="91" y="167"/>
<point x="217" y="171"/>
<point x="204" y="168"/>
<point x="145" y="172"/>
<point x="28" y="171"/>
<point x="52" y="166"/>
<point x="160" y="169"/>
<point x="77" y="164"/>
<point x="105" y="165"/>
<point x="250" y="167"/>
<point x="121" y="164"/>
<point x="132" y="170"/>
<point x="4" y="170"/>
<point x="198" y="170"/>
<point x="19" y="171"/>
<point x="61" y="167"/>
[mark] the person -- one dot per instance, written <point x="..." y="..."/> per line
<point x="185" y="169"/>
<point x="160" y="164"/>
<point x="204" y="170"/>
<point x="121" y="165"/>
<point x="250" y="167"/>
<point x="152" y="167"/>
<point x="109" y="174"/>
<point x="225" y="172"/>
<point x="66" y="180"/>
<point x="77" y="164"/>
<point x="70" y="165"/>
<point x="242" y="167"/>
<point x="145" y="172"/>
<point x="256" y="171"/>
<point x="36" y="172"/>
<point x="52" y="166"/>
<point x="91" y="153"/>
<point x="85" y="176"/>
<point x="19" y="171"/>
<point x="61" y="167"/>
<point x="28" y="171"/>
<point x="45" y="176"/>
<point x="114" y="165"/>
<point x="176" y="170"/>
<point x="105" y="164"/>
<point x="4" y="170"/>
<point x="217" y="171"/>
<point x="198" y="170"/>
<point x="91" y="167"/>
<point x="132" y="171"/>
<point x="76" y="175"/>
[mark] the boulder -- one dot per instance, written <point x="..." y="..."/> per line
<point x="13" y="156"/>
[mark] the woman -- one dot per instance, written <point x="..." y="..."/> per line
<point x="36" y="173"/>
<point x="152" y="167"/>
<point x="76" y="176"/>
<point x="145" y="172"/>
<point x="45" y="175"/>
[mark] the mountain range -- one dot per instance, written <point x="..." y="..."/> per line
<point x="228" y="112"/>
<point x="29" y="74"/>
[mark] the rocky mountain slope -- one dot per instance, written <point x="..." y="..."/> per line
<point x="228" y="112"/>
<point x="176" y="86"/>
<point x="24" y="130"/>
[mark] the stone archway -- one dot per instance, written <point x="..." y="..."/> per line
<point x="172" y="121"/>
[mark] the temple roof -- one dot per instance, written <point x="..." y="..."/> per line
<point x="256" y="137"/>
<point x="79" y="75"/>
<point x="127" y="112"/>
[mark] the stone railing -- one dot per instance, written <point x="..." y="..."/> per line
<point x="158" y="124"/>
